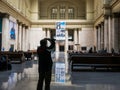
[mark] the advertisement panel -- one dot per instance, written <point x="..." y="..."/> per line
<point x="60" y="30"/>
<point x="12" y="30"/>
<point x="60" y="72"/>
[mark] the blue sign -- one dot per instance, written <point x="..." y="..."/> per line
<point x="60" y="30"/>
<point x="12" y="30"/>
<point x="60" y="72"/>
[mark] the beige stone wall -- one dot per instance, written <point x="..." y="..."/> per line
<point x="8" y="7"/>
<point x="86" y="37"/>
<point x="45" y="6"/>
<point x="98" y="8"/>
<point x="22" y="6"/>
<point x="115" y="4"/>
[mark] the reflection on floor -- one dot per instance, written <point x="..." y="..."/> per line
<point x="25" y="76"/>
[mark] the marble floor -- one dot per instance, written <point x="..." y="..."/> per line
<point x="25" y="76"/>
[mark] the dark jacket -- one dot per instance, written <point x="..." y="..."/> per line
<point x="45" y="60"/>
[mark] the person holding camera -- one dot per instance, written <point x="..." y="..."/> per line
<point x="45" y="63"/>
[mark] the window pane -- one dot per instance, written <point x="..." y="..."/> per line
<point x="71" y="13"/>
<point x="54" y="13"/>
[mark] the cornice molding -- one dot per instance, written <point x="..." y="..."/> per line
<point x="114" y="3"/>
<point x="13" y="12"/>
<point x="68" y="22"/>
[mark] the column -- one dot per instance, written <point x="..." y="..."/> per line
<point x="75" y="39"/>
<point x="102" y="35"/>
<point x="119" y="33"/>
<point x="66" y="40"/>
<point x="106" y="32"/>
<point x="5" y="31"/>
<point x="23" y="37"/>
<point x="109" y="34"/>
<point x="115" y="28"/>
<point x="26" y="38"/>
<point x="79" y="31"/>
<point x="48" y="33"/>
<point x="96" y="38"/>
<point x="99" y="37"/>
<point x="19" y="35"/>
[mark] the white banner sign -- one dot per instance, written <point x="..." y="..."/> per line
<point x="60" y="30"/>
<point x="60" y="72"/>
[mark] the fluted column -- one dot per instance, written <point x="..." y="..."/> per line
<point x="106" y="32"/>
<point x="75" y="39"/>
<point x="119" y="33"/>
<point x="48" y="33"/>
<point x="66" y="40"/>
<point x="26" y="38"/>
<point x="19" y="35"/>
<point x="79" y="31"/>
<point x="23" y="37"/>
<point x="5" y="31"/>
<point x="96" y="38"/>
<point x="102" y="35"/>
<point x="115" y="28"/>
<point x="109" y="34"/>
<point x="99" y="37"/>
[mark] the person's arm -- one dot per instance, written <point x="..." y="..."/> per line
<point x="52" y="43"/>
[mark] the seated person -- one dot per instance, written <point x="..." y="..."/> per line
<point x="90" y="50"/>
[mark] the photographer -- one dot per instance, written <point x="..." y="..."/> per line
<point x="45" y="63"/>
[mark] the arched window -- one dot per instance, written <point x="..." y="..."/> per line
<point x="62" y="11"/>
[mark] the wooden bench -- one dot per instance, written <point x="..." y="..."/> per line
<point x="3" y="62"/>
<point x="28" y="55"/>
<point x="95" y="61"/>
<point x="15" y="57"/>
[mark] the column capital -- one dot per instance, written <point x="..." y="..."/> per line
<point x="19" y="23"/>
<point x="96" y="27"/>
<point x="99" y="25"/>
<point x="79" y="29"/>
<point x="23" y="25"/>
<point x="116" y="15"/>
<point x="102" y="23"/>
<point x="106" y="16"/>
<point x="26" y="27"/>
<point x="4" y="15"/>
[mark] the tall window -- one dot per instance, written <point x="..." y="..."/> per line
<point x="62" y="12"/>
<point x="70" y="13"/>
<point x="54" y="13"/>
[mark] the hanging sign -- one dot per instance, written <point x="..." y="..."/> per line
<point x="60" y="30"/>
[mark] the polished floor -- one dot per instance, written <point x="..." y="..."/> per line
<point x="25" y="76"/>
